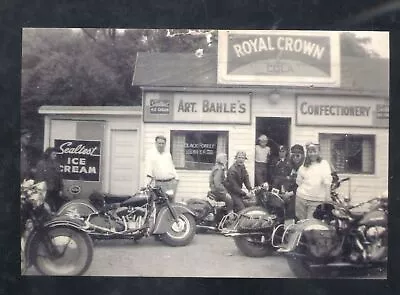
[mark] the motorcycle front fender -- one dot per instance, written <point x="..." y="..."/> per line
<point x="293" y="234"/>
<point x="164" y="217"/>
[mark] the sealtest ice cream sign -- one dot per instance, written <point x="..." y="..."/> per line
<point x="79" y="159"/>
<point x="293" y="58"/>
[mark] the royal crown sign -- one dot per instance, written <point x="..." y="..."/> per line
<point x="290" y="58"/>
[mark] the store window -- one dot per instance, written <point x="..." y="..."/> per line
<point x="349" y="153"/>
<point x="196" y="150"/>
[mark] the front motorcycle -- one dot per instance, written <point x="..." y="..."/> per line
<point x="340" y="237"/>
<point x="147" y="212"/>
<point x="54" y="246"/>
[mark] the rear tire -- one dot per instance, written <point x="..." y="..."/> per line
<point x="76" y="259"/>
<point x="180" y="234"/>
<point x="252" y="246"/>
<point x="299" y="267"/>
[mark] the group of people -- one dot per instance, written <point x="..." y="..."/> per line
<point x="301" y="174"/>
<point x="47" y="169"/>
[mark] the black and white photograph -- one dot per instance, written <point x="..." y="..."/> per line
<point x="204" y="153"/>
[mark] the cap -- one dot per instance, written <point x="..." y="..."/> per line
<point x="263" y="137"/>
<point x="220" y="158"/>
<point x="297" y="149"/>
<point x="242" y="154"/>
<point x="312" y="146"/>
<point x="282" y="148"/>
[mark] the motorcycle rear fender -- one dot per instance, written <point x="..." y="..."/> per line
<point x="76" y="203"/>
<point x="34" y="235"/>
<point x="165" y="217"/>
<point x="294" y="233"/>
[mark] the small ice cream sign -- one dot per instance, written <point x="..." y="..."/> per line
<point x="79" y="159"/>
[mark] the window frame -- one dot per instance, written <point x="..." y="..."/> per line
<point x="371" y="137"/>
<point x="179" y="132"/>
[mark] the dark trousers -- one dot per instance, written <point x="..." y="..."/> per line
<point x="261" y="173"/>
<point x="54" y="200"/>
<point x="291" y="208"/>
<point x="238" y="204"/>
<point x="224" y="197"/>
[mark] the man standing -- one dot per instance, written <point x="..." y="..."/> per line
<point x="262" y="154"/>
<point x="282" y="169"/>
<point x="25" y="166"/>
<point x="159" y="165"/>
<point x="237" y="176"/>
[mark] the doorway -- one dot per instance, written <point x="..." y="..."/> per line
<point x="278" y="132"/>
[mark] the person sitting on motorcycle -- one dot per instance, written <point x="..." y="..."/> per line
<point x="237" y="176"/>
<point x="314" y="181"/>
<point x="217" y="178"/>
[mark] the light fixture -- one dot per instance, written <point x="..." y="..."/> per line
<point x="274" y="97"/>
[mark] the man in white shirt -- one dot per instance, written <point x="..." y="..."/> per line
<point x="159" y="164"/>
<point x="262" y="154"/>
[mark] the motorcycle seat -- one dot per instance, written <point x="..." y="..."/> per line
<point x="356" y="214"/>
<point x="110" y="198"/>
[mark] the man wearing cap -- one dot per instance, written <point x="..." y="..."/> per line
<point x="159" y="165"/>
<point x="296" y="160"/>
<point x="262" y="154"/>
<point x="25" y="167"/>
<point x="282" y="169"/>
<point x="237" y="176"/>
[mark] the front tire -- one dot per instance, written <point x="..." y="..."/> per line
<point x="77" y="248"/>
<point x="180" y="233"/>
<point x="252" y="246"/>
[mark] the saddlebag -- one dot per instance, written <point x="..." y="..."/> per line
<point x="322" y="242"/>
<point x="200" y="207"/>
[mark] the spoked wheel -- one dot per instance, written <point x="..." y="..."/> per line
<point x="72" y="256"/>
<point x="253" y="245"/>
<point x="181" y="232"/>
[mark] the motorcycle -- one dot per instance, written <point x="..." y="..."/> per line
<point x="258" y="228"/>
<point x="147" y="212"/>
<point x="341" y="236"/>
<point x="54" y="246"/>
<point x="212" y="215"/>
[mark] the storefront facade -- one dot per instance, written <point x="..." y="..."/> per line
<point x="98" y="147"/>
<point x="311" y="93"/>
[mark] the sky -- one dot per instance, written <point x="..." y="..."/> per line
<point x="379" y="42"/>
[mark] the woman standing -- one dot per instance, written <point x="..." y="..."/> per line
<point x="48" y="170"/>
<point x="314" y="181"/>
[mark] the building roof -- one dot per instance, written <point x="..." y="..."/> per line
<point x="361" y="75"/>
<point x="90" y="110"/>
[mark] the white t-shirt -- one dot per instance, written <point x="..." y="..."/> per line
<point x="262" y="154"/>
<point x="160" y="165"/>
<point x="312" y="181"/>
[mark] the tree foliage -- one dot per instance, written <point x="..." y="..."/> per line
<point x="95" y="66"/>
